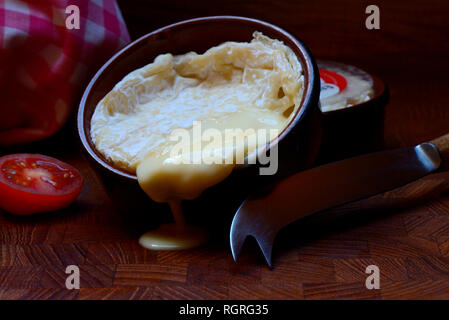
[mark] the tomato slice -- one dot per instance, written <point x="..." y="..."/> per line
<point x="32" y="183"/>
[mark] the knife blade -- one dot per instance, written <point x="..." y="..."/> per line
<point x="325" y="187"/>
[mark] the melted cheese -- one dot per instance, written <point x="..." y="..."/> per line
<point x="255" y="85"/>
<point x="174" y="236"/>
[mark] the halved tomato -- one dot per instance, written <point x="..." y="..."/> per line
<point x="32" y="183"/>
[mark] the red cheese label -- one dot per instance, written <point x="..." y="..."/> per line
<point x="331" y="83"/>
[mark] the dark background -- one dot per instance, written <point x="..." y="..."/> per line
<point x="409" y="52"/>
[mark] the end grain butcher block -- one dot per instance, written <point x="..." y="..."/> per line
<point x="411" y="248"/>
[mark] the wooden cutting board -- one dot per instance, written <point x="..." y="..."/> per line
<point x="323" y="260"/>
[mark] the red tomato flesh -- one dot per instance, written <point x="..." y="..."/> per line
<point x="32" y="183"/>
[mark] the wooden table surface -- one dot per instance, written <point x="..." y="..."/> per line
<point x="411" y="247"/>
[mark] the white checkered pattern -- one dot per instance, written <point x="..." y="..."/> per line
<point x="45" y="66"/>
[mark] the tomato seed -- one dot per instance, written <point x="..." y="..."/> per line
<point x="45" y="179"/>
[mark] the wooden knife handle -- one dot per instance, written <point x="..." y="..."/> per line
<point x="411" y="194"/>
<point x="442" y="143"/>
<point x="414" y="193"/>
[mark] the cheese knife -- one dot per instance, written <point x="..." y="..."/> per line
<point x="262" y="216"/>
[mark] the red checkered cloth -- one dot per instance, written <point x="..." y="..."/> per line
<point x="44" y="65"/>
